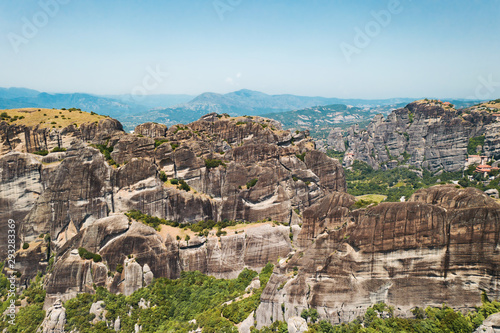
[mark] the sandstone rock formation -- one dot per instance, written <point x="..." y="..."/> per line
<point x="336" y="139"/>
<point x="424" y="134"/>
<point x="243" y="169"/>
<point x="248" y="169"/>
<point x="99" y="311"/>
<point x="151" y="130"/>
<point x="440" y="242"/>
<point x="297" y="325"/>
<point x="490" y="325"/>
<point x="55" y="319"/>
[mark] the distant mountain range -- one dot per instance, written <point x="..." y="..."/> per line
<point x="174" y="109"/>
<point x="248" y="102"/>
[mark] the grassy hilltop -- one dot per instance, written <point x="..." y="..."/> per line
<point x="46" y="118"/>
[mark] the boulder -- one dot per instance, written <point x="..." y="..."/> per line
<point x="55" y="319"/>
<point x="297" y="325"/>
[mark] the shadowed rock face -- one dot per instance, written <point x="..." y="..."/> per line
<point x="441" y="246"/>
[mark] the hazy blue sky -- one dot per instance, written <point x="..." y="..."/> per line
<point x="429" y="48"/>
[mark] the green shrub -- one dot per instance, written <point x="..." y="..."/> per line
<point x="25" y="246"/>
<point x="184" y="186"/>
<point x="335" y="154"/>
<point x="474" y="143"/>
<point x="152" y="221"/>
<point x="411" y="116"/>
<point x="212" y="163"/>
<point x="84" y="254"/>
<point x="163" y="176"/>
<point x="174" y="181"/>
<point x="119" y="268"/>
<point x="58" y="149"/>
<point x="220" y="232"/>
<point x="41" y="152"/>
<point x="252" y="183"/>
<point x="160" y="142"/>
<point x="106" y="151"/>
<point x="301" y="156"/>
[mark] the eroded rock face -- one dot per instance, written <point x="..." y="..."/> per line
<point x="143" y="255"/>
<point x="336" y="139"/>
<point x="226" y="258"/>
<point x="443" y="238"/>
<point x="30" y="139"/>
<point x="151" y="130"/>
<point x="245" y="169"/>
<point x="297" y="325"/>
<point x="490" y="325"/>
<point x="423" y="134"/>
<point x="55" y="319"/>
<point x="59" y="193"/>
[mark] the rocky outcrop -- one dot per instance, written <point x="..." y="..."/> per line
<point x="336" y="139"/>
<point x="490" y="325"/>
<point x="226" y="258"/>
<point x="297" y="325"/>
<point x="99" y="311"/>
<point x="55" y="319"/>
<point x="137" y="248"/>
<point x="492" y="141"/>
<point x="244" y="168"/>
<point x="424" y="134"/>
<point x="30" y="139"/>
<point x="249" y="169"/>
<point x="151" y="130"/>
<point x="441" y="242"/>
<point x="133" y="254"/>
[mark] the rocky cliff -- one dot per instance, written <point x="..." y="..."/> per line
<point x="424" y="134"/>
<point x="242" y="169"/>
<point x="440" y="246"/>
<point x="69" y="207"/>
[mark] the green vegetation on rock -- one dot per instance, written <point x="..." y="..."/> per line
<point x="213" y="163"/>
<point x="173" y="304"/>
<point x="85" y="254"/>
<point x="252" y="183"/>
<point x="474" y="143"/>
<point x="106" y="151"/>
<point x="394" y="183"/>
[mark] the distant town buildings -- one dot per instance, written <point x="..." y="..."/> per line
<point x="476" y="159"/>
<point x="485" y="168"/>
